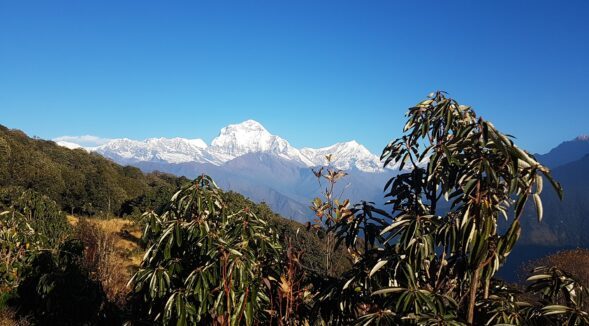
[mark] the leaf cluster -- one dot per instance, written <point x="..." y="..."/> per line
<point x="205" y="263"/>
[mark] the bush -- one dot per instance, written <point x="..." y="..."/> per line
<point x="206" y="264"/>
<point x="102" y="261"/>
<point x="56" y="290"/>
<point x="29" y="222"/>
<point x="432" y="261"/>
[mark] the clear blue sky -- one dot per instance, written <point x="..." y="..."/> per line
<point x="314" y="72"/>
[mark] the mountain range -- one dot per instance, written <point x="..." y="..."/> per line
<point x="234" y="141"/>
<point x="248" y="159"/>
<point x="565" y="221"/>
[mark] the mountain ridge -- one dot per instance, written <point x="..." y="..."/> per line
<point x="566" y="152"/>
<point x="233" y="141"/>
<point x="248" y="159"/>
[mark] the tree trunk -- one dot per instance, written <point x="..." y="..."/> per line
<point x="473" y="294"/>
<point x="487" y="285"/>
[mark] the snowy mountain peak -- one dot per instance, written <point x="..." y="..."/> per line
<point x="68" y="144"/>
<point x="251" y="137"/>
<point x="345" y="156"/>
<point x="582" y="138"/>
<point x="248" y="127"/>
<point x="176" y="142"/>
<point x="353" y="148"/>
<point x="173" y="150"/>
<point x="248" y="134"/>
<point x="247" y="124"/>
<point x="234" y="141"/>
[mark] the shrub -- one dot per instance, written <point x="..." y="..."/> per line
<point x="206" y="264"/>
<point x="102" y="261"/>
<point x="432" y="261"/>
<point x="56" y="290"/>
<point x="29" y="222"/>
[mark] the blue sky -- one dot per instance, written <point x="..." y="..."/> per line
<point x="314" y="72"/>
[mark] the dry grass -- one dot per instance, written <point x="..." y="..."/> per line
<point x="574" y="261"/>
<point x="8" y="318"/>
<point x="126" y="236"/>
<point x="112" y="252"/>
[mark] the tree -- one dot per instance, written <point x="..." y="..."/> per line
<point x="329" y="210"/>
<point x="205" y="263"/>
<point x="4" y="160"/>
<point x="436" y="256"/>
<point x="56" y="290"/>
<point x="29" y="222"/>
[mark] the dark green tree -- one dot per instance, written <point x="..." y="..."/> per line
<point x="432" y="260"/>
<point x="206" y="264"/>
<point x="29" y="223"/>
<point x="56" y="290"/>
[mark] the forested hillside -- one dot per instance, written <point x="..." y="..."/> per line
<point x="87" y="184"/>
<point x="80" y="182"/>
<point x="40" y="181"/>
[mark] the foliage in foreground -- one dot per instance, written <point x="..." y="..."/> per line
<point x="29" y="222"/>
<point x="430" y="260"/>
<point x="41" y="273"/>
<point x="433" y="260"/>
<point x="56" y="290"/>
<point x="206" y="264"/>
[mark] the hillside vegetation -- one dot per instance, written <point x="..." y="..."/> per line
<point x="40" y="181"/>
<point x="216" y="258"/>
<point x="79" y="182"/>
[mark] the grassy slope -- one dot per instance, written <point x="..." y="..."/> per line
<point x="126" y="235"/>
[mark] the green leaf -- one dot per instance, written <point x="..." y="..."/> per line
<point x="376" y="267"/>
<point x="539" y="208"/>
<point x="538" y="277"/>
<point x="388" y="290"/>
<point x="519" y="205"/>
<point x="469" y="186"/>
<point x="393" y="225"/>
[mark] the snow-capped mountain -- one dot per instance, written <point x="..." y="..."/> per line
<point x="68" y="144"/>
<point x="171" y="150"/>
<point x="235" y="141"/>
<point x="251" y="137"/>
<point x="345" y="156"/>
